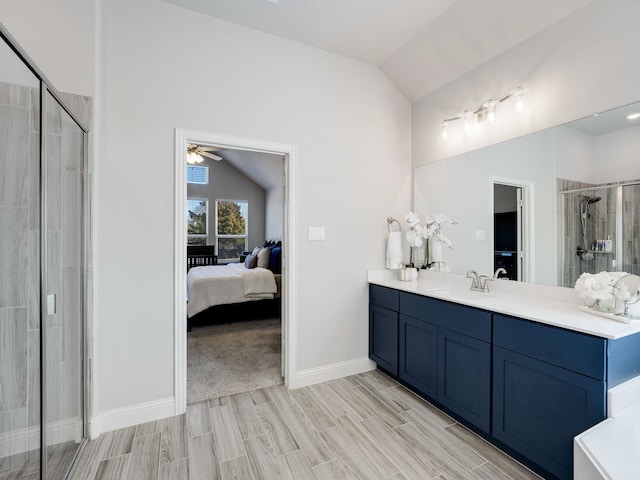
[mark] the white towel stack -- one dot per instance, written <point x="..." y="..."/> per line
<point x="394" y="249"/>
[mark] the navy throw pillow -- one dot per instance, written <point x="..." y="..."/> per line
<point x="275" y="260"/>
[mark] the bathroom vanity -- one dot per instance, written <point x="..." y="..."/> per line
<point x="521" y="365"/>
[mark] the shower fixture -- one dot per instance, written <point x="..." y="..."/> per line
<point x="586" y="202"/>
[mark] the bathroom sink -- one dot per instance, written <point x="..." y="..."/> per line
<point x="458" y="293"/>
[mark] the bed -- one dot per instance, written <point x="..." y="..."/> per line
<point x="213" y="285"/>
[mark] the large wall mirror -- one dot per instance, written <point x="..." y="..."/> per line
<point x="546" y="206"/>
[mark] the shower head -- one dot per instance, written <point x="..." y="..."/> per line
<point x="589" y="200"/>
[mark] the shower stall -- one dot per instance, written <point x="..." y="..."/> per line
<point x="43" y="273"/>
<point x="600" y="230"/>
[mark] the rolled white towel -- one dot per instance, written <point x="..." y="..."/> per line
<point x="394" y="249"/>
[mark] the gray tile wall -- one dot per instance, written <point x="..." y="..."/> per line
<point x="19" y="274"/>
<point x="19" y="264"/>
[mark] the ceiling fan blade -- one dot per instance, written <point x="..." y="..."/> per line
<point x="208" y="149"/>
<point x="210" y="155"/>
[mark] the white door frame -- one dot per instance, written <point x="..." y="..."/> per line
<point x="182" y="138"/>
<point x="528" y="223"/>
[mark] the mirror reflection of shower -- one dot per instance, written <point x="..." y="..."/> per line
<point x="586" y="201"/>
<point x="599" y="229"/>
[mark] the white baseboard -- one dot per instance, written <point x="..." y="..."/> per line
<point x="28" y="439"/>
<point x="332" y="371"/>
<point x="131" y="415"/>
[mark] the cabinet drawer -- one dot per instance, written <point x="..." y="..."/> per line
<point x="574" y="351"/>
<point x="459" y="318"/>
<point x="384" y="297"/>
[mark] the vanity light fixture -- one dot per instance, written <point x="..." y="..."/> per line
<point x="445" y="130"/>
<point x="486" y="111"/>
<point x="633" y="116"/>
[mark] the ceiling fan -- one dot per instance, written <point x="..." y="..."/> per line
<point x="196" y="152"/>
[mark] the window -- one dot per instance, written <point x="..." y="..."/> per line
<point x="197" y="221"/>
<point x="231" y="229"/>
<point x="198" y="174"/>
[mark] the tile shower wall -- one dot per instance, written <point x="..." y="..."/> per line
<point x="19" y="276"/>
<point x="631" y="229"/>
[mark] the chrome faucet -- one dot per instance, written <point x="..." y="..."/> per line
<point x="498" y="272"/>
<point x="479" y="282"/>
<point x="475" y="280"/>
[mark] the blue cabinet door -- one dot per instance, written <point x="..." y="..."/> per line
<point x="418" y="354"/>
<point x="383" y="338"/>
<point x="539" y="408"/>
<point x="464" y="377"/>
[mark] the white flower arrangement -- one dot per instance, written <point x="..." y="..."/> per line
<point x="602" y="290"/>
<point x="431" y="230"/>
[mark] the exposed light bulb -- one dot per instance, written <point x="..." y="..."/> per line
<point x="490" y="108"/>
<point x="467" y="121"/>
<point x="193" y="158"/>
<point x="518" y="93"/>
<point x="445" y="130"/>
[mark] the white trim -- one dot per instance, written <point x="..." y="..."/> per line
<point x="332" y="371"/>
<point x="132" y="415"/>
<point x="28" y="439"/>
<point x="289" y="330"/>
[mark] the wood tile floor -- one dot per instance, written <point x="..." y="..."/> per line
<point x="365" y="426"/>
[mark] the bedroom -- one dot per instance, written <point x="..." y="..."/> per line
<point x="235" y="206"/>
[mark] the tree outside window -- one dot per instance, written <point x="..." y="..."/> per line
<point x="197" y="221"/>
<point x="231" y="228"/>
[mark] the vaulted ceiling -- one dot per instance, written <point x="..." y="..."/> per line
<point x="420" y="45"/>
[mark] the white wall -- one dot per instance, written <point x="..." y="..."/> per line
<point x="578" y="66"/>
<point x="617" y="156"/>
<point x="58" y="35"/>
<point x="167" y="67"/>
<point x="462" y="188"/>
<point x="274" y="207"/>
<point x="575" y="153"/>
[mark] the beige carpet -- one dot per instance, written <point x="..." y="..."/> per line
<point x="232" y="358"/>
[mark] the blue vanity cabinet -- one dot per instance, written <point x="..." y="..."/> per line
<point x="450" y="358"/>
<point x="418" y="354"/>
<point x="383" y="327"/>
<point x="464" y="377"/>
<point x="549" y="385"/>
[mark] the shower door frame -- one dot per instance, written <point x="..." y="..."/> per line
<point x="47" y="88"/>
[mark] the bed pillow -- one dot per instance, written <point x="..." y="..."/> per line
<point x="255" y="251"/>
<point x="263" y="258"/>
<point x="275" y="260"/>
<point x="251" y="261"/>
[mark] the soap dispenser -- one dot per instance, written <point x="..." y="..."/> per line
<point x="608" y="244"/>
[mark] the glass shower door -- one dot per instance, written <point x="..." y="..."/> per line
<point x="63" y="368"/>
<point x="631" y="229"/>
<point x="19" y="269"/>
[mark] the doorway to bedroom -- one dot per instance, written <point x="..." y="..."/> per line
<point x="234" y="228"/>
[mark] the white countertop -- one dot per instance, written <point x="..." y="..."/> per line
<point x="610" y="450"/>
<point x="555" y="306"/>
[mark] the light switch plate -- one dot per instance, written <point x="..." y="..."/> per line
<point x="480" y="236"/>
<point x="316" y="233"/>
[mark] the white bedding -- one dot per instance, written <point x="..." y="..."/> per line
<point x="224" y="284"/>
